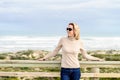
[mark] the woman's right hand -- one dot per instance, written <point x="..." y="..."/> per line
<point x="41" y="59"/>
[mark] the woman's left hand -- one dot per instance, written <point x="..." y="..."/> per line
<point x="101" y="60"/>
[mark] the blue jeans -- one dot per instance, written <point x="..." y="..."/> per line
<point x="70" y="74"/>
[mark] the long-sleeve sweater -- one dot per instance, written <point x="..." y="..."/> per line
<point x="70" y="50"/>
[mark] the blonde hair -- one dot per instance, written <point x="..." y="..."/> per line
<point x="76" y="30"/>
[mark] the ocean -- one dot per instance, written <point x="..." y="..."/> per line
<point x="17" y="43"/>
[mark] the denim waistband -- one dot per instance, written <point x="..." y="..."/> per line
<point x="70" y="68"/>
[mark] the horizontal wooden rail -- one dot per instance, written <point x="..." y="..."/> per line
<point x="57" y="74"/>
<point x="95" y="65"/>
<point x="35" y="63"/>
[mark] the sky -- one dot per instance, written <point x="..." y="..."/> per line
<point x="51" y="17"/>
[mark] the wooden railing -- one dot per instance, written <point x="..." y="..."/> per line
<point x="95" y="65"/>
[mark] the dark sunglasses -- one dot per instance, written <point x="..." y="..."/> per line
<point x="70" y="29"/>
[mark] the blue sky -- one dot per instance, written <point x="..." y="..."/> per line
<point x="51" y="17"/>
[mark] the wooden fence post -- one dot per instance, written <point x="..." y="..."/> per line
<point x="95" y="70"/>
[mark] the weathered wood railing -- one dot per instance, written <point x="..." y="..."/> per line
<point x="95" y="65"/>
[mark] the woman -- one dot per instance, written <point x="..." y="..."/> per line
<point x="71" y="46"/>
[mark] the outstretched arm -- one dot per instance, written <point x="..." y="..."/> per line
<point x="87" y="56"/>
<point x="55" y="51"/>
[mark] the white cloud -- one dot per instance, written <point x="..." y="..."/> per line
<point x="32" y="5"/>
<point x="37" y="12"/>
<point x="32" y="8"/>
<point x="97" y="4"/>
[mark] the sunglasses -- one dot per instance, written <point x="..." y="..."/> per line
<point x="70" y="29"/>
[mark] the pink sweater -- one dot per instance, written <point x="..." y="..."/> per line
<point x="70" y="50"/>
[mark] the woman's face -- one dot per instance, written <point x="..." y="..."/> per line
<point x="70" y="30"/>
